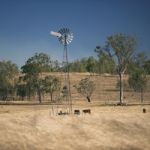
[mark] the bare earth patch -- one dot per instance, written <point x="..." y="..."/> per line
<point x="107" y="128"/>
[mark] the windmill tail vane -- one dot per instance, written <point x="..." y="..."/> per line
<point x="55" y="34"/>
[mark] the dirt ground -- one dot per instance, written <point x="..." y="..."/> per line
<point x="106" y="128"/>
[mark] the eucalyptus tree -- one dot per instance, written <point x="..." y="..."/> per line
<point x="138" y="81"/>
<point x="21" y="90"/>
<point x="33" y="69"/>
<point x="91" y="64"/>
<point x="138" y="74"/>
<point x="8" y="78"/>
<point x="121" y="48"/>
<point x="86" y="88"/>
<point x="105" y="63"/>
<point x="77" y="66"/>
<point x="147" y="66"/>
<point x="52" y="84"/>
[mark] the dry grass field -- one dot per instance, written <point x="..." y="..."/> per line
<point x="34" y="127"/>
<point x="106" y="128"/>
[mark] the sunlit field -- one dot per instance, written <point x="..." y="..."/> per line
<point x="106" y="128"/>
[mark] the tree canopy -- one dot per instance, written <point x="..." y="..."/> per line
<point x="52" y="84"/>
<point x="138" y="74"/>
<point x="8" y="76"/>
<point x="121" y="48"/>
<point x="86" y="88"/>
<point x="32" y="69"/>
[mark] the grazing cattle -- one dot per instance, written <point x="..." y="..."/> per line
<point x="63" y="113"/>
<point x="60" y="113"/>
<point x="144" y="110"/>
<point x="77" y="112"/>
<point x="86" y="111"/>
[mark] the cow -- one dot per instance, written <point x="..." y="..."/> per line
<point x="144" y="110"/>
<point x="77" y="112"/>
<point x="86" y="111"/>
<point x="63" y="113"/>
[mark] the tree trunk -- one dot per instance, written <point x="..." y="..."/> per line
<point x="142" y="96"/>
<point x="43" y="96"/>
<point x="29" y="94"/>
<point x="39" y="95"/>
<point x="22" y="98"/>
<point x="121" y="87"/>
<point x="88" y="98"/>
<point x="51" y="94"/>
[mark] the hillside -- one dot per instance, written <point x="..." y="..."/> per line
<point x="106" y="90"/>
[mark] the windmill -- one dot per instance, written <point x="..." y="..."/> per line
<point x="65" y="36"/>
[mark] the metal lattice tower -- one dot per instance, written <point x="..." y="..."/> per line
<point x="65" y="36"/>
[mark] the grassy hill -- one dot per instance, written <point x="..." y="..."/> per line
<point x="106" y="91"/>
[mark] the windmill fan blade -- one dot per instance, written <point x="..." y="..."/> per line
<point x="55" y="34"/>
<point x="66" y="36"/>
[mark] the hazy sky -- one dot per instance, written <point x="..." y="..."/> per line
<point x="25" y="26"/>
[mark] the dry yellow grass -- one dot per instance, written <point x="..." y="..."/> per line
<point x="33" y="127"/>
<point x="107" y="128"/>
<point x="106" y="90"/>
